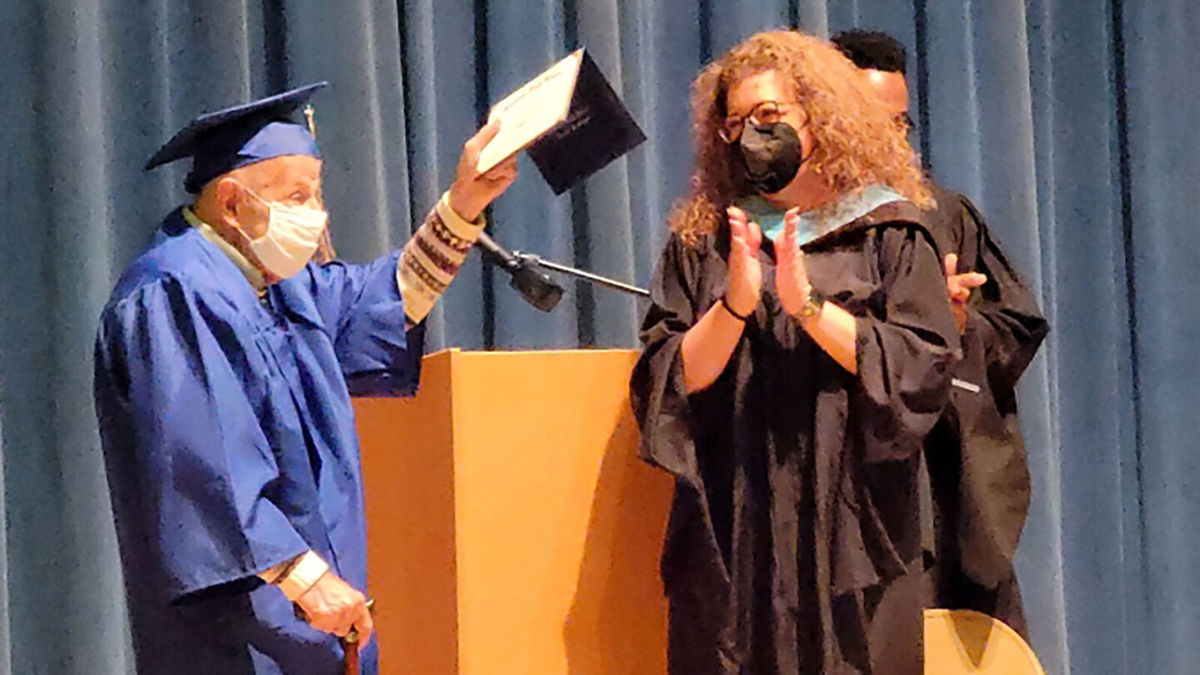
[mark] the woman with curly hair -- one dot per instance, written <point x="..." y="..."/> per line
<point x="797" y="351"/>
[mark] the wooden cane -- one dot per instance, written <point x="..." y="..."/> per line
<point x="350" y="650"/>
<point x="350" y="647"/>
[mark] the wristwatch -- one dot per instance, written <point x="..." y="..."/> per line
<point x="812" y="304"/>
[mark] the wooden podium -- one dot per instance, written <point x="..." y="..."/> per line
<point x="511" y="527"/>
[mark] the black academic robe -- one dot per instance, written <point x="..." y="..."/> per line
<point x="795" y="529"/>
<point x="975" y="456"/>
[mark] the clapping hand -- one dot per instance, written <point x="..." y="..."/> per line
<point x="745" y="271"/>
<point x="959" y="286"/>
<point x="791" y="276"/>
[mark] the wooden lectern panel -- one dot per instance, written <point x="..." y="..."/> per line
<point x="511" y="527"/>
<point x="408" y="474"/>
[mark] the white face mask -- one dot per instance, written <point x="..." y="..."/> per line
<point x="292" y="236"/>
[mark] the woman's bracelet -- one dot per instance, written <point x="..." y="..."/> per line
<point x="739" y="317"/>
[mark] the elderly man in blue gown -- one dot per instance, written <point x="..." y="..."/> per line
<point x="225" y="362"/>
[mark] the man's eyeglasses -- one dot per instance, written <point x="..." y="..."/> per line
<point x="763" y="114"/>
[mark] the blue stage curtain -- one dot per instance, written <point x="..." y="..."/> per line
<point x="1070" y="123"/>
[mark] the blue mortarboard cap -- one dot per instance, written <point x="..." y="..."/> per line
<point x="228" y="139"/>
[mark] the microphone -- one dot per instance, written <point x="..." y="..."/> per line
<point x="534" y="285"/>
<point x="497" y="253"/>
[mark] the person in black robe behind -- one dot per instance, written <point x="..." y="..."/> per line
<point x="975" y="456"/>
<point x="790" y="413"/>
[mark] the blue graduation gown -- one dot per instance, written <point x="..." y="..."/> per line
<point x="230" y="445"/>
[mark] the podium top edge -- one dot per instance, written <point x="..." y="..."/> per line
<point x="458" y="352"/>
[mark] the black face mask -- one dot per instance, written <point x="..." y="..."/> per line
<point x="771" y="155"/>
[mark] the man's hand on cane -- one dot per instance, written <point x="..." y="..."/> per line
<point x="333" y="606"/>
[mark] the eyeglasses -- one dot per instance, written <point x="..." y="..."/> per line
<point x="763" y="114"/>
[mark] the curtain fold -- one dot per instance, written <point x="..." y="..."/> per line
<point x="1161" y="106"/>
<point x="1070" y="124"/>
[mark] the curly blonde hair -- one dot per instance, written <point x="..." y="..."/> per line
<point x="857" y="143"/>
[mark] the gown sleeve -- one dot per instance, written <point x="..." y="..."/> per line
<point x="379" y="352"/>
<point x="377" y="343"/>
<point x="1004" y="319"/>
<point x="659" y="398"/>
<point x="187" y="446"/>
<point x="906" y="346"/>
<point x="671" y="419"/>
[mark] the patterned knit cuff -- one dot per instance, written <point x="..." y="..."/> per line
<point x="433" y="257"/>
<point x="462" y="230"/>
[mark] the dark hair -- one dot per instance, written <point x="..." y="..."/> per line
<point x="873" y="49"/>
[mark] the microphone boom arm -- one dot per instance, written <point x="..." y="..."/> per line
<point x="581" y="274"/>
<point x="534" y="285"/>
